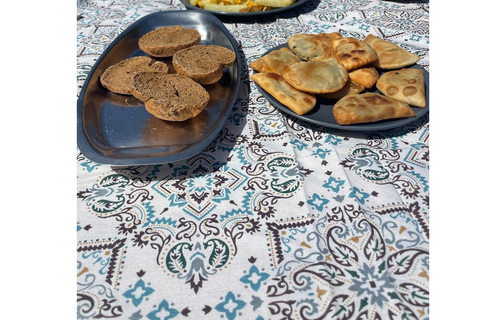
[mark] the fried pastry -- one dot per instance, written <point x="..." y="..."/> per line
<point x="369" y="107"/>
<point x="319" y="76"/>
<point x="299" y="102"/>
<point x="390" y="55"/>
<point x="353" y="53"/>
<point x="275" y="61"/>
<point x="366" y="76"/>
<point x="313" y="46"/>
<point x="407" y="85"/>
<point x="350" y="87"/>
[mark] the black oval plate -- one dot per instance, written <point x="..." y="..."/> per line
<point x="322" y="113"/>
<point x="117" y="130"/>
<point x="187" y="4"/>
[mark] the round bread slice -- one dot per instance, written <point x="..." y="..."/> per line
<point x="204" y="63"/>
<point x="165" y="41"/>
<point x="170" y="96"/>
<point x="118" y="78"/>
<point x="317" y="76"/>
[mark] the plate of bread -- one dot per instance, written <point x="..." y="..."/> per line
<point x="242" y="8"/>
<point x="160" y="92"/>
<point x="344" y="83"/>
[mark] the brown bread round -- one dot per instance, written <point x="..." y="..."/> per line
<point x="118" y="78"/>
<point x="204" y="63"/>
<point x="165" y="41"/>
<point x="170" y="96"/>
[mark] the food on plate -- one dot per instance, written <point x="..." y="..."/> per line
<point x="118" y="77"/>
<point x="330" y="66"/>
<point x="313" y="46"/>
<point x="275" y="61"/>
<point x="170" y="96"/>
<point x="366" y="76"/>
<point x="318" y="76"/>
<point x="407" y="85"/>
<point x="369" y="107"/>
<point x="350" y="87"/>
<point x="353" y="53"/>
<point x="390" y="55"/>
<point x="244" y="6"/>
<point x="299" y="102"/>
<point x="165" y="41"/>
<point x="203" y="63"/>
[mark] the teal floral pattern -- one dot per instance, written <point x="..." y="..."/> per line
<point x="277" y="218"/>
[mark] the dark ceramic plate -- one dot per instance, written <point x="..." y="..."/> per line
<point x="187" y="4"/>
<point x="117" y="130"/>
<point x="322" y="114"/>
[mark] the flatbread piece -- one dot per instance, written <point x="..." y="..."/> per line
<point x="350" y="87"/>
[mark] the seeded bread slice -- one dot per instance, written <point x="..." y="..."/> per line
<point x="118" y="78"/>
<point x="170" y="96"/>
<point x="165" y="41"/>
<point x="203" y="63"/>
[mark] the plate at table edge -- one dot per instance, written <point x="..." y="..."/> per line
<point x="244" y="14"/>
<point x="87" y="147"/>
<point x="322" y="113"/>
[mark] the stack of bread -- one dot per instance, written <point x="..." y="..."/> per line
<point x="170" y="96"/>
<point x="330" y="66"/>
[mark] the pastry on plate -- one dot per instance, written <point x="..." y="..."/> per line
<point x="275" y="61"/>
<point x="369" y="107"/>
<point x="318" y="76"/>
<point x="350" y="87"/>
<point x="297" y="101"/>
<point x="313" y="46"/>
<point x="353" y="53"/>
<point x="366" y="76"/>
<point x="407" y="85"/>
<point x="390" y="55"/>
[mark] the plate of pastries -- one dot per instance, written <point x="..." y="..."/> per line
<point x="343" y="82"/>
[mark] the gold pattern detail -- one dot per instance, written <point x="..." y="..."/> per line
<point x="320" y="293"/>
<point x="304" y="244"/>
<point x="355" y="239"/>
<point x="424" y="274"/>
<point x="402" y="228"/>
<point x="85" y="269"/>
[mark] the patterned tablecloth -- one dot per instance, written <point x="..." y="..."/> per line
<point x="276" y="218"/>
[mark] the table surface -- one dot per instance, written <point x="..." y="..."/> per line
<point x="276" y="218"/>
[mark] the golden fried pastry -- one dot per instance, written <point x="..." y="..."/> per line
<point x="350" y="87"/>
<point x="313" y="46"/>
<point x="275" y="61"/>
<point x="407" y="85"/>
<point x="299" y="102"/>
<point x="366" y="76"/>
<point x="369" y="107"/>
<point x="319" y="76"/>
<point x="390" y="56"/>
<point x="353" y="53"/>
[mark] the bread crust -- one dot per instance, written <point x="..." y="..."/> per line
<point x="118" y="77"/>
<point x="203" y="63"/>
<point x="165" y="41"/>
<point x="170" y="97"/>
